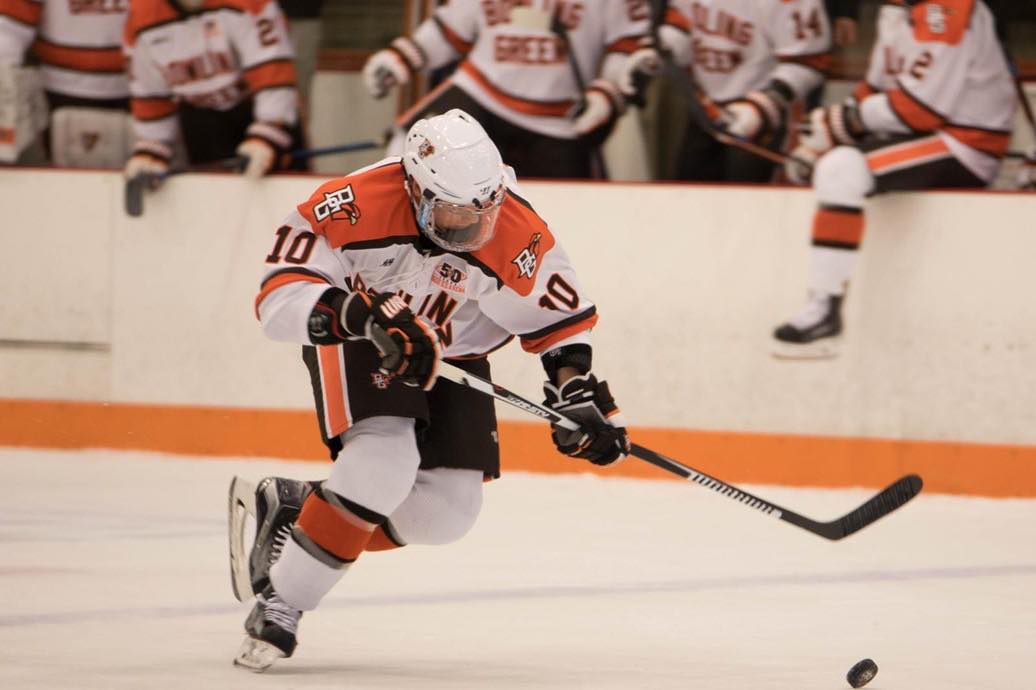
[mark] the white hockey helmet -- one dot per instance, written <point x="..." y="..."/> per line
<point x="456" y="180"/>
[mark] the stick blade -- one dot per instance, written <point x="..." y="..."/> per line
<point x="892" y="497"/>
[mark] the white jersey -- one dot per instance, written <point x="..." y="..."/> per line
<point x="78" y="43"/>
<point x="738" y="46"/>
<point x="358" y="233"/>
<point x="215" y="58"/>
<point x="516" y="67"/>
<point x="939" y="67"/>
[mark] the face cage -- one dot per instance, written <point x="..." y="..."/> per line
<point x="459" y="227"/>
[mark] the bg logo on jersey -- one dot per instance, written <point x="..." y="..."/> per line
<point x="526" y="259"/>
<point x="338" y="205"/>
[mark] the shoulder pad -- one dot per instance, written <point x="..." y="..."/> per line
<point x="514" y="254"/>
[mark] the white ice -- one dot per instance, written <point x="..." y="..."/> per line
<point x="113" y="574"/>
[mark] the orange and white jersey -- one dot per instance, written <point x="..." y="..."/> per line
<point x="515" y="66"/>
<point x="358" y="233"/>
<point x="78" y="43"/>
<point x="954" y="80"/>
<point x="215" y="58"/>
<point x="738" y="46"/>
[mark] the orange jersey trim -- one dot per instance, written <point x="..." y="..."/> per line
<point x="22" y="11"/>
<point x="862" y="90"/>
<point x="626" y="44"/>
<point x="145" y="109"/>
<point x="841" y="227"/>
<point x="943" y="21"/>
<point x="913" y="112"/>
<point x="452" y="37"/>
<point x="677" y="20"/>
<point x="108" y="60"/>
<point x="380" y="208"/>
<point x="895" y="156"/>
<point x="993" y="143"/>
<point x="270" y="74"/>
<point x="538" y="345"/>
<point x="519" y="230"/>
<point x="520" y="105"/>
<point x="280" y="280"/>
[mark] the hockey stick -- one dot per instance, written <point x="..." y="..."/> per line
<point x="881" y="504"/>
<point x="136" y="186"/>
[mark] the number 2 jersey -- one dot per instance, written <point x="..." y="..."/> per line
<point x="358" y="233"/>
<point x="939" y="67"/>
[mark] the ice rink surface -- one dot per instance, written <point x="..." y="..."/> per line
<point x="113" y="574"/>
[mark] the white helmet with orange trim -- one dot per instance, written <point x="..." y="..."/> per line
<point x="456" y="180"/>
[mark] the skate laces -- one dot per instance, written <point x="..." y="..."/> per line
<point x="817" y="307"/>
<point x="280" y="538"/>
<point x="279" y="613"/>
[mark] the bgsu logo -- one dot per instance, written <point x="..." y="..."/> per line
<point x="526" y="259"/>
<point x="338" y="205"/>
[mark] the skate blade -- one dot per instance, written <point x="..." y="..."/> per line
<point x="241" y="506"/>
<point x="825" y="348"/>
<point x="257" y="655"/>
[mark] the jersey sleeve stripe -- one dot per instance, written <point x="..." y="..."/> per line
<point x="677" y="20"/>
<point x="108" y="60"/>
<point x="154" y="108"/>
<point x="992" y="142"/>
<point x="22" y="11"/>
<point x="541" y="340"/>
<point x="821" y="62"/>
<point x="626" y="44"/>
<point x="452" y="37"/>
<point x="284" y="277"/>
<point x="914" y="113"/>
<point x="521" y="105"/>
<point x="270" y="74"/>
<point x="862" y="90"/>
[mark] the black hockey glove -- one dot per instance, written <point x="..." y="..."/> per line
<point x="602" y="439"/>
<point x="409" y="347"/>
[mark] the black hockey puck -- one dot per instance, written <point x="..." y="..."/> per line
<point x="862" y="673"/>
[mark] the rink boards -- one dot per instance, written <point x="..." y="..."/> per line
<point x="144" y="329"/>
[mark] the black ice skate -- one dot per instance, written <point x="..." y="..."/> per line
<point x="278" y="502"/>
<point x="274" y="504"/>
<point x="271" y="627"/>
<point x="813" y="333"/>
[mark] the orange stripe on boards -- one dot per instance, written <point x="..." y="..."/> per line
<point x="837" y="226"/>
<point x="783" y="459"/>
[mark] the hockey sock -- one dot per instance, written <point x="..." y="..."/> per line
<point x="837" y="232"/>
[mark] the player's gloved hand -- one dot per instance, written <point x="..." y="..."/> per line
<point x="409" y="347"/>
<point x="1027" y="174"/>
<point x="262" y="148"/>
<point x="758" y="112"/>
<point x="642" y="64"/>
<point x="602" y="439"/>
<point x="150" y="160"/>
<point x="602" y="105"/>
<point x="800" y="163"/>
<point x="392" y="66"/>
<point x="825" y="128"/>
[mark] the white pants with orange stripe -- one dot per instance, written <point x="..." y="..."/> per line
<point x="376" y="474"/>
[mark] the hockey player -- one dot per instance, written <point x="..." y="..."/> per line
<point x="79" y="47"/>
<point x="219" y="72"/>
<point x="379" y="275"/>
<point x="528" y="72"/>
<point x="756" y="60"/>
<point x="935" y="110"/>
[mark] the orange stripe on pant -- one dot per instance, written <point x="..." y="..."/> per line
<point x="901" y="155"/>
<point x="335" y="530"/>
<point x="843" y="227"/>
<point x="335" y="389"/>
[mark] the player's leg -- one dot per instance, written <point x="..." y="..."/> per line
<point x="843" y="178"/>
<point x="370" y="427"/>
